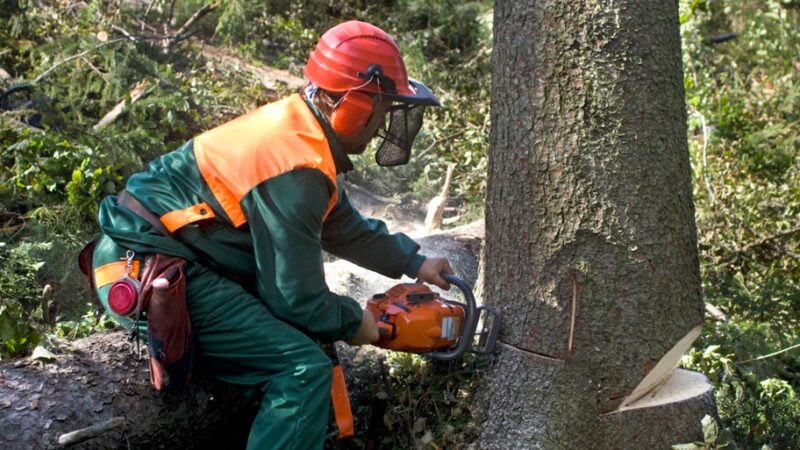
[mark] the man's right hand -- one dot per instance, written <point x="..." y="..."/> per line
<point x="367" y="332"/>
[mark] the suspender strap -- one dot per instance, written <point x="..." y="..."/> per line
<point x="130" y="202"/>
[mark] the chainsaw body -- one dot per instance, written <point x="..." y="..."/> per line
<point x="412" y="318"/>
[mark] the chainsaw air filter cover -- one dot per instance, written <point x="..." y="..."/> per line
<point x="412" y="318"/>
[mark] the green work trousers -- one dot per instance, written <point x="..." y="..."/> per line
<point x="242" y="343"/>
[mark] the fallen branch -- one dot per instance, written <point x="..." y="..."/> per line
<point x="68" y="59"/>
<point x="124" y="32"/>
<point x="84" y="434"/>
<point x="760" y="358"/>
<point x="182" y="32"/>
<point x="135" y="94"/>
<point x="439" y="141"/>
<point x="168" y="39"/>
<point x="763" y="241"/>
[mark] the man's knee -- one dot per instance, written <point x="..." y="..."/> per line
<point x="315" y="368"/>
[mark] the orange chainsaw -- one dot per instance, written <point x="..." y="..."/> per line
<point x="413" y="318"/>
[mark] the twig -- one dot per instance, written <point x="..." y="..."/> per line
<point x="168" y="23"/>
<point x="706" y="179"/>
<point x="760" y="242"/>
<point x="93" y="431"/>
<point x="135" y="94"/>
<point x="439" y="141"/>
<point x="711" y="196"/>
<point x="182" y="34"/>
<point x="143" y="25"/>
<point x="149" y="7"/>
<point x="124" y="32"/>
<point x="66" y="60"/>
<point x="195" y="17"/>
<point x="772" y="354"/>
<point x="95" y="69"/>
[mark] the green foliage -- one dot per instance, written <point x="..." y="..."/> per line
<point x="744" y="110"/>
<point x="743" y="97"/>
<point x="86" y="325"/>
<point x="19" y="298"/>
<point x="54" y="174"/>
<point x="431" y="403"/>
<point x="446" y="44"/>
<point x="713" y="438"/>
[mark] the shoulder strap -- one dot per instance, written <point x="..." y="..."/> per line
<point x="85" y="264"/>
<point x="130" y="202"/>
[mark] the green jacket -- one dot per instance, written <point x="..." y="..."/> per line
<point x="277" y="255"/>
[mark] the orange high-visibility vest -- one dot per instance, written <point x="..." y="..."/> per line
<point x="237" y="156"/>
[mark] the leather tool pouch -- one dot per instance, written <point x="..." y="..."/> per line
<point x="170" y="341"/>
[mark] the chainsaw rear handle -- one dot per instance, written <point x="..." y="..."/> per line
<point x="470" y="322"/>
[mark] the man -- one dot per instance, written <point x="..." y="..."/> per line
<point x="252" y="204"/>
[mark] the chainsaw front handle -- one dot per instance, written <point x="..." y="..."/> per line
<point x="470" y="322"/>
<point x="487" y="338"/>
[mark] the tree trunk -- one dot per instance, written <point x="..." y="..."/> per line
<point x="102" y="378"/>
<point x="590" y="237"/>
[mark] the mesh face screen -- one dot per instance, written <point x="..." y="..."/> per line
<point x="405" y="122"/>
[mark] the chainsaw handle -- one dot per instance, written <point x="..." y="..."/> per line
<point x="470" y="321"/>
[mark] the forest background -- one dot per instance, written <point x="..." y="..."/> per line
<point x="65" y="64"/>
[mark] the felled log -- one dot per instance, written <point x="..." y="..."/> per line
<point x="101" y="378"/>
<point x="100" y="386"/>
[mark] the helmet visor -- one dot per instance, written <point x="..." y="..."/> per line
<point x="404" y="124"/>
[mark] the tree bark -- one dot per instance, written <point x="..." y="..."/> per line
<point x="100" y="378"/>
<point x="590" y="235"/>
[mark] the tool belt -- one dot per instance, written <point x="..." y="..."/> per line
<point x="160" y="297"/>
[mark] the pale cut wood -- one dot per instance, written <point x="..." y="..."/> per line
<point x="433" y="219"/>
<point x="87" y="433"/>
<point x="664" y="369"/>
<point x="680" y="386"/>
<point x="135" y="94"/>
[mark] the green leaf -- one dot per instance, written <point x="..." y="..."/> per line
<point x="710" y="429"/>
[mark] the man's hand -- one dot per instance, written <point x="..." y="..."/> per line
<point x="367" y="332"/>
<point x="431" y="268"/>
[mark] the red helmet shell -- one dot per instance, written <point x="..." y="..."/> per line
<point x="351" y="48"/>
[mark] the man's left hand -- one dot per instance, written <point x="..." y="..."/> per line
<point x="430" y="270"/>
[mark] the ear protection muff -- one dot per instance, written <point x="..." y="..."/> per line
<point x="352" y="113"/>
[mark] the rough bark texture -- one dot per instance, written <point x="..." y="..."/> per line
<point x="100" y="378"/>
<point x="590" y="236"/>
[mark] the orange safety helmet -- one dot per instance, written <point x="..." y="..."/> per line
<point x="361" y="60"/>
<point x="352" y="54"/>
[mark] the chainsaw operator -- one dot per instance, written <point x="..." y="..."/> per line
<point x="252" y="204"/>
